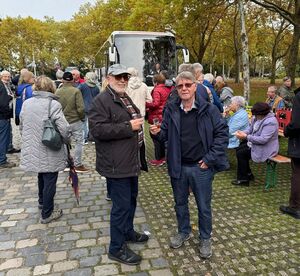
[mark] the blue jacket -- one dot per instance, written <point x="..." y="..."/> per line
<point x="217" y="101"/>
<point x="27" y="88"/>
<point x="88" y="94"/>
<point x="213" y="131"/>
<point x="238" y="121"/>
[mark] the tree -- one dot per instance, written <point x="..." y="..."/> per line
<point x="290" y="13"/>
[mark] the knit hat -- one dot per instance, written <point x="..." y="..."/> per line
<point x="67" y="76"/>
<point x="260" y="108"/>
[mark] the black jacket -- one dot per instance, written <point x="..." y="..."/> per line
<point x="292" y="130"/>
<point x="6" y="111"/>
<point x="117" y="150"/>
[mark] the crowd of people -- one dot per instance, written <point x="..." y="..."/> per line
<point x="194" y="119"/>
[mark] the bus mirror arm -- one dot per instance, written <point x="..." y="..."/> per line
<point x="185" y="52"/>
<point x="112" y="54"/>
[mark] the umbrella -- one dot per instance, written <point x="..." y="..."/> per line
<point x="73" y="177"/>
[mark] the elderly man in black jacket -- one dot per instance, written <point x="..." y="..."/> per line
<point x="6" y="113"/>
<point x="116" y="127"/>
<point x="197" y="138"/>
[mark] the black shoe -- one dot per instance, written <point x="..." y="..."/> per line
<point x="13" y="150"/>
<point x="137" y="238"/>
<point x="251" y="177"/>
<point x="290" y="211"/>
<point x="240" y="182"/>
<point x="126" y="256"/>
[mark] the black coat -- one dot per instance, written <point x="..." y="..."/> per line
<point x="292" y="130"/>
<point x="6" y="111"/>
<point x="117" y="149"/>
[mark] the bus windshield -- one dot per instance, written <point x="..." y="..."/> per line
<point x="144" y="52"/>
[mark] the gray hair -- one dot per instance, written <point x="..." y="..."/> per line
<point x="59" y="74"/>
<point x="273" y="88"/>
<point x="239" y="100"/>
<point x="209" y="77"/>
<point x="197" y="66"/>
<point x="186" y="67"/>
<point x="91" y="76"/>
<point x="4" y="72"/>
<point x="185" y="75"/>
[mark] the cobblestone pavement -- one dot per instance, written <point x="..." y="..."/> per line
<point x="250" y="236"/>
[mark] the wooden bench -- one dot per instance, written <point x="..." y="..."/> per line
<point x="271" y="175"/>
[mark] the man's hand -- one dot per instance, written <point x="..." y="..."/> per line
<point x="154" y="129"/>
<point x="202" y="165"/>
<point x="136" y="124"/>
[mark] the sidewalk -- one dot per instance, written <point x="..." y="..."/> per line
<point x="250" y="236"/>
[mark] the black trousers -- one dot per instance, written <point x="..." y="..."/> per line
<point x="47" y="190"/>
<point x="295" y="184"/>
<point x="243" y="155"/>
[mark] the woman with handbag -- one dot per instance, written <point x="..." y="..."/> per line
<point x="35" y="155"/>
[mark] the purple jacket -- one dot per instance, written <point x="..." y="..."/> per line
<point x="263" y="137"/>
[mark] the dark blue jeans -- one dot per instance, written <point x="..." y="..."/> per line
<point x="4" y="140"/>
<point x="123" y="192"/>
<point x="47" y="190"/>
<point x="200" y="181"/>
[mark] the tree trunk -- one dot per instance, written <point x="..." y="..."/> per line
<point x="245" y="53"/>
<point x="236" y="50"/>
<point x="293" y="56"/>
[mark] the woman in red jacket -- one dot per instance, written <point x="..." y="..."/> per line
<point x="160" y="94"/>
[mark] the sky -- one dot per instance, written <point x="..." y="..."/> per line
<point x="58" y="9"/>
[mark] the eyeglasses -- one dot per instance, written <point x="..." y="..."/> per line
<point x="125" y="77"/>
<point x="187" y="85"/>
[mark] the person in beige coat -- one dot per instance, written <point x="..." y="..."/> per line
<point x="138" y="91"/>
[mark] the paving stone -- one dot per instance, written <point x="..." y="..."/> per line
<point x="97" y="251"/>
<point x="42" y="269"/>
<point x="64" y="266"/>
<point x="7" y="245"/>
<point x="7" y="254"/>
<point x="18" y="217"/>
<point x="139" y="274"/>
<point x="13" y="211"/>
<point x="57" y="256"/>
<point x="128" y="268"/>
<point x="106" y="270"/>
<point x="159" y="263"/>
<point x="79" y="272"/>
<point x="164" y="272"/>
<point x="26" y="243"/>
<point x="71" y="236"/>
<point x="89" y="234"/>
<point x="151" y="253"/>
<point x="89" y="261"/>
<point x="78" y="253"/>
<point x="36" y="259"/>
<point x="8" y="223"/>
<point x="11" y="263"/>
<point x="85" y="242"/>
<point x="18" y="272"/>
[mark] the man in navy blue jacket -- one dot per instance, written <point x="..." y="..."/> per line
<point x="197" y="137"/>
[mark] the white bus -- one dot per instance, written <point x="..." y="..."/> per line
<point x="142" y="50"/>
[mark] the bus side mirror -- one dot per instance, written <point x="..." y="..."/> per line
<point x="112" y="54"/>
<point x="186" y="55"/>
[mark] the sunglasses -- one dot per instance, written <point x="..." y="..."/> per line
<point x="125" y="77"/>
<point x="187" y="85"/>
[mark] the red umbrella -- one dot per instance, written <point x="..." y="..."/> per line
<point x="73" y="177"/>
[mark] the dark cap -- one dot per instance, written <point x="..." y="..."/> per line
<point x="260" y="108"/>
<point x="286" y="78"/>
<point x="67" y="76"/>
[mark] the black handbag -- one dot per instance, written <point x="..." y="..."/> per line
<point x="51" y="137"/>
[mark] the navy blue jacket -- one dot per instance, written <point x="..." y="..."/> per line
<point x="88" y="94"/>
<point x="213" y="131"/>
<point x="217" y="101"/>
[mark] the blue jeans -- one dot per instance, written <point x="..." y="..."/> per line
<point x="47" y="190"/>
<point x="86" y="128"/>
<point x="200" y="181"/>
<point x="123" y="192"/>
<point x="4" y="140"/>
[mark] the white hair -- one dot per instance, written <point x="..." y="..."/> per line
<point x="132" y="71"/>
<point x="209" y="77"/>
<point x="4" y="72"/>
<point x="91" y="76"/>
<point x="239" y="100"/>
<point x="59" y="74"/>
<point x="198" y="66"/>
